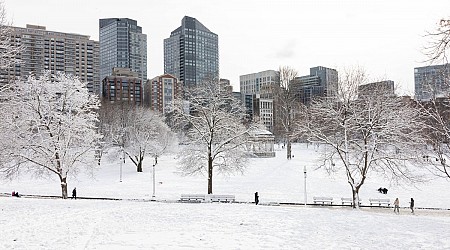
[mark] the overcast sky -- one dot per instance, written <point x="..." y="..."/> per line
<point x="385" y="37"/>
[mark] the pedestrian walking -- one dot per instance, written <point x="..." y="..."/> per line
<point x="256" y="198"/>
<point x="397" y="206"/>
<point x="74" y="193"/>
<point x="411" y="205"/>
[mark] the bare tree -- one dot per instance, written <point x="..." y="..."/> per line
<point x="286" y="104"/>
<point x="215" y="135"/>
<point x="373" y="132"/>
<point x="439" y="43"/>
<point x="52" y="125"/>
<point x="436" y="109"/>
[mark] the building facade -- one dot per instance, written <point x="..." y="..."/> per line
<point x="191" y="53"/>
<point x="321" y="81"/>
<point x="160" y="93"/>
<point x="385" y="87"/>
<point x="123" y="85"/>
<point x="122" y="45"/>
<point x="432" y="82"/>
<point x="257" y="90"/>
<point x="55" y="52"/>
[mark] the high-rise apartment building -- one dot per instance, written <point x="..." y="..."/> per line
<point x="191" y="53"/>
<point x="160" y="93"/>
<point x="321" y="81"/>
<point x="432" y="82"/>
<point x="122" y="45"/>
<point x="56" y="52"/>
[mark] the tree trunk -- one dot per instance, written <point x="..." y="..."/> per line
<point x="63" y="187"/>
<point x="355" y="197"/>
<point x="140" y="160"/>
<point x="210" y="173"/>
<point x="288" y="149"/>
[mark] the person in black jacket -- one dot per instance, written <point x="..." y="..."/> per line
<point x="74" y="193"/>
<point x="411" y="205"/>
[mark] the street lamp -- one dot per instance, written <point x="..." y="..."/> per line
<point x="304" y="173"/>
<point x="153" y="196"/>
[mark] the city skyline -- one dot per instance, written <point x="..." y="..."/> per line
<point x="383" y="37"/>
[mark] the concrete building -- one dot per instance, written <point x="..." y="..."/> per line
<point x="386" y="87"/>
<point x="432" y="82"/>
<point x="191" y="53"/>
<point x="225" y="85"/>
<point x="160" y="92"/>
<point x="258" y="83"/>
<point x="123" y="85"/>
<point x="257" y="90"/>
<point x="321" y="81"/>
<point x="56" y="52"/>
<point x="122" y="45"/>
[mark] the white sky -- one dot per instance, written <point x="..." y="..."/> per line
<point x="385" y="37"/>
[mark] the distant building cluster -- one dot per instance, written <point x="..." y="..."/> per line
<point x="115" y="67"/>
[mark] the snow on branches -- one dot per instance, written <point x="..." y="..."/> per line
<point x="52" y="122"/>
<point x="215" y="134"/>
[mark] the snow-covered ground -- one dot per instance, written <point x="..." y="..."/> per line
<point x="87" y="224"/>
<point x="93" y="224"/>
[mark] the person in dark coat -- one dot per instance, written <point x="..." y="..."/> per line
<point x="74" y="193"/>
<point x="256" y="198"/>
<point x="411" y="205"/>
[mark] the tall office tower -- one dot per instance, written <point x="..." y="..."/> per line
<point x="123" y="85"/>
<point x="122" y="45"/>
<point x="432" y="82"/>
<point x="191" y="53"/>
<point x="160" y="93"/>
<point x="256" y="88"/>
<point x="56" y="52"/>
<point x="321" y="81"/>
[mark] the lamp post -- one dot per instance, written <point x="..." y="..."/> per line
<point x="153" y="196"/>
<point x="304" y="173"/>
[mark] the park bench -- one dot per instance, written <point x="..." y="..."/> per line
<point x="323" y="200"/>
<point x="349" y="201"/>
<point x="220" y="198"/>
<point x="192" y="198"/>
<point x="380" y="202"/>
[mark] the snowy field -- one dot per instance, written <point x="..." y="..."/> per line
<point x="93" y="224"/>
<point x="84" y="224"/>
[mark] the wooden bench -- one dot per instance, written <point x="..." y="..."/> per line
<point x="323" y="200"/>
<point x="192" y="198"/>
<point x="220" y="198"/>
<point x="380" y="202"/>
<point x="349" y="201"/>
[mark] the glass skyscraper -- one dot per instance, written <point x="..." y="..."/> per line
<point x="122" y="45"/>
<point x="191" y="53"/>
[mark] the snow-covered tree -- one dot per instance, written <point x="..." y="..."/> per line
<point x="437" y="108"/>
<point x="286" y="104"/>
<point x="8" y="49"/>
<point x="215" y="134"/>
<point x="146" y="133"/>
<point x="52" y="125"/>
<point x="370" y="132"/>
<point x="137" y="130"/>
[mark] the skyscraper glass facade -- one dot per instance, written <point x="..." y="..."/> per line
<point x="122" y="45"/>
<point x="191" y="53"/>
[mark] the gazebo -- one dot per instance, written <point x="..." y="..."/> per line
<point x="261" y="143"/>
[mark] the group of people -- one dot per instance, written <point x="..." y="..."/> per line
<point x="15" y="194"/>
<point x="383" y="190"/>
<point x="397" y="206"/>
